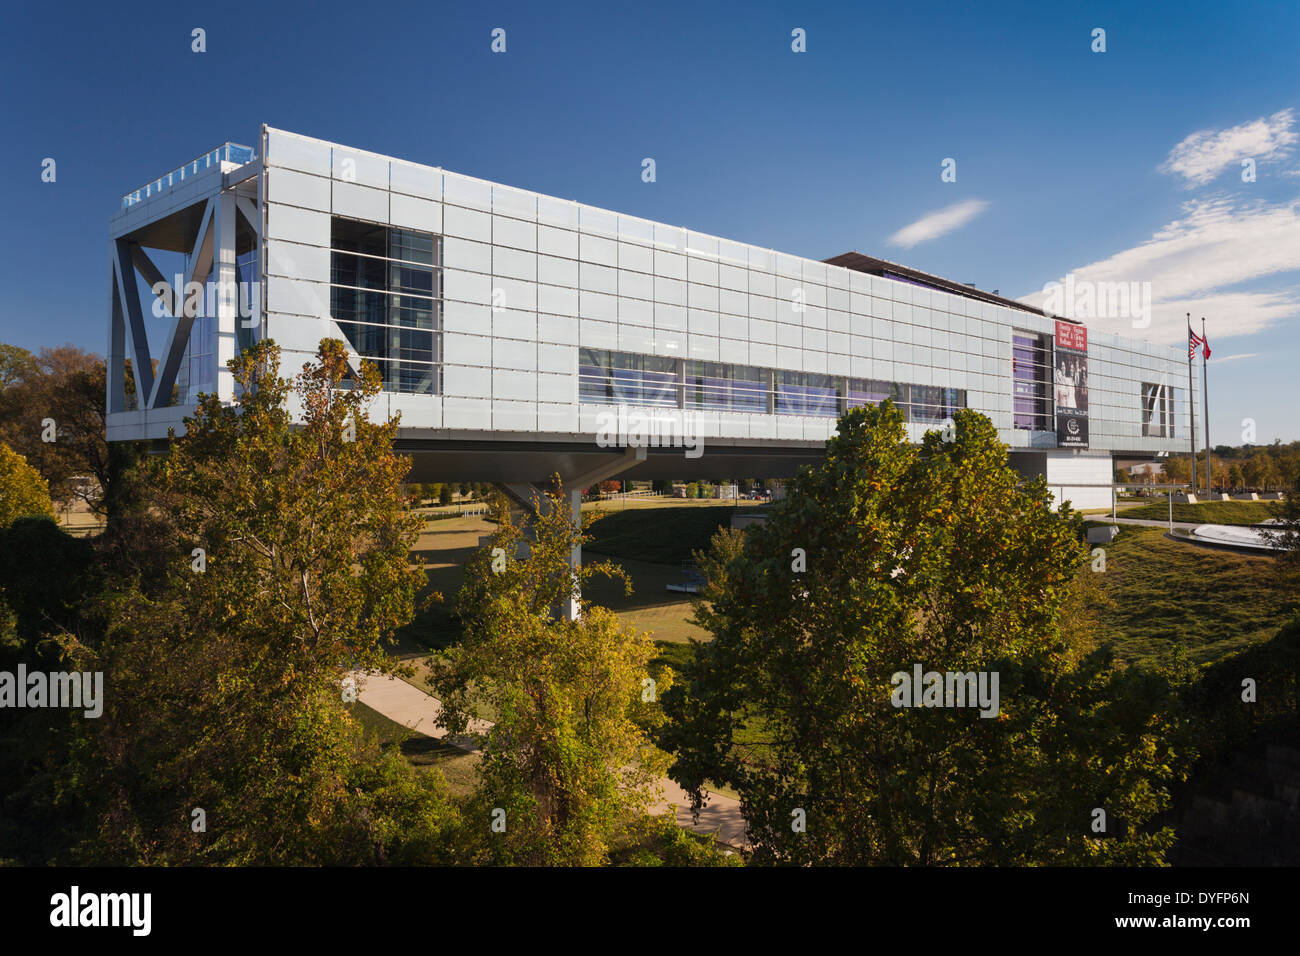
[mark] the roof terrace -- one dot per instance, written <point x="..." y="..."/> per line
<point x="226" y="152"/>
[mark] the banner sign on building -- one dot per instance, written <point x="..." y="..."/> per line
<point x="1071" y="380"/>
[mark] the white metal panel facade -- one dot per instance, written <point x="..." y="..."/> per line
<point x="527" y="280"/>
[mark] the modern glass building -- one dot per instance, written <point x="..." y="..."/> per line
<point x="509" y="325"/>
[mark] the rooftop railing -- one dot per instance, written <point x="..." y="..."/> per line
<point x="226" y="152"/>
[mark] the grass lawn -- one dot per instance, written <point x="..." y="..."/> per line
<point x="651" y="606"/>
<point x="659" y="535"/>
<point x="460" y="768"/>
<point x="442" y="550"/>
<point x="1210" y="512"/>
<point x="1210" y="602"/>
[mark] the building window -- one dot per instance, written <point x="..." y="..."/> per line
<point x="1031" y="381"/>
<point x="807" y="393"/>
<point x="620" y="378"/>
<point x="933" y="404"/>
<point x="1157" y="411"/>
<point x="866" y="391"/>
<point x="385" y="296"/>
<point x="736" y="388"/>
<point x="625" y="378"/>
<point x="924" y="404"/>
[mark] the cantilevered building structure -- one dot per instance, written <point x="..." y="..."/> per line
<point x="512" y="327"/>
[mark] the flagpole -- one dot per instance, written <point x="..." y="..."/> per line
<point x="1205" y="405"/>
<point x="1191" y="401"/>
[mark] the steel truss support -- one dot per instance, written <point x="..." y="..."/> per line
<point x="212" y="256"/>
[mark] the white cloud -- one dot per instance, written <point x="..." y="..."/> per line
<point x="1193" y="264"/>
<point x="1229" y="358"/>
<point x="1206" y="153"/>
<point x="939" y="223"/>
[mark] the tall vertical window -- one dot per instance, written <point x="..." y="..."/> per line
<point x="385" y="295"/>
<point x="247" y="277"/>
<point x="1157" y="411"/>
<point x="1031" y="381"/>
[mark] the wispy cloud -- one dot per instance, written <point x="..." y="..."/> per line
<point x="1194" y="262"/>
<point x="939" y="223"/>
<point x="1230" y="358"/>
<point x="1205" y="154"/>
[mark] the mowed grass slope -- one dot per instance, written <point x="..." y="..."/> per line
<point x="1208" y="601"/>
<point x="1163" y="592"/>
<point x="665" y="535"/>
<point x="1209" y="512"/>
<point x="459" y="767"/>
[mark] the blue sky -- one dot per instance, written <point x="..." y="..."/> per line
<point x="1122" y="165"/>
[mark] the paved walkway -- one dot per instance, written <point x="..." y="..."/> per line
<point x="411" y="707"/>
<point x="1146" y="522"/>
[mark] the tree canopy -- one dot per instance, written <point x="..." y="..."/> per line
<point x="566" y="764"/>
<point x="23" y="492"/>
<point x="885" y="558"/>
<point x="286" y="546"/>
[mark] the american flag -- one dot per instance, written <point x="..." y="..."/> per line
<point x="1194" y="341"/>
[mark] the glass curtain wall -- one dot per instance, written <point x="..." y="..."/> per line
<point x="385" y="295"/>
<point x="1031" y="381"/>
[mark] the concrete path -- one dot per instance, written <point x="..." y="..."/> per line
<point x="1145" y="522"/>
<point x="411" y="707"/>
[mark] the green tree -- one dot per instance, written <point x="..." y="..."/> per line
<point x="23" y="492"/>
<point x="300" y="508"/>
<point x="1260" y="471"/>
<point x="1288" y="469"/>
<point x="64" y="386"/>
<point x="1177" y="469"/>
<point x="16" y="365"/>
<point x="1220" y="471"/>
<point x="566" y="760"/>
<point x="445" y="495"/>
<point x="1284" y="533"/>
<point x="886" y="557"/>
<point x="288" y="569"/>
<point x="45" y="577"/>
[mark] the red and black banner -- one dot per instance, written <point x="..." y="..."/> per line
<point x="1070" y="378"/>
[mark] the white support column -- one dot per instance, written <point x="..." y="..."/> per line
<point x="573" y="608"/>
<point x="222" y="344"/>
<point x="533" y="498"/>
